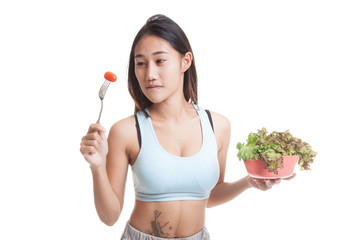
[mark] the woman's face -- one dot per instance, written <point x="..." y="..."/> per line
<point x="159" y="68"/>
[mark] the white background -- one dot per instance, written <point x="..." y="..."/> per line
<point x="275" y="64"/>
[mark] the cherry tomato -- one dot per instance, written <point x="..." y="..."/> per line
<point x="110" y="76"/>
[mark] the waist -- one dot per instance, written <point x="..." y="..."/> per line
<point x="175" y="219"/>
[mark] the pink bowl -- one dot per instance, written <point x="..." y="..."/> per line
<point x="257" y="168"/>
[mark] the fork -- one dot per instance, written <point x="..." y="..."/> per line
<point x="110" y="77"/>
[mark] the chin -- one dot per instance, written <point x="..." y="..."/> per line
<point x="156" y="99"/>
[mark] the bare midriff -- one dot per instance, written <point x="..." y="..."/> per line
<point x="174" y="219"/>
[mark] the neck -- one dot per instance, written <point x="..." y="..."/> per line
<point x="170" y="110"/>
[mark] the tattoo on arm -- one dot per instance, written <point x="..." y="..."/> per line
<point x="157" y="228"/>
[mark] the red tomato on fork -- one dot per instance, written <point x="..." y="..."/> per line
<point x="110" y="76"/>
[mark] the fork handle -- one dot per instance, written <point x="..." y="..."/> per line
<point x="98" y="121"/>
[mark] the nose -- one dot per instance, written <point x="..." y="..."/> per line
<point x="151" y="73"/>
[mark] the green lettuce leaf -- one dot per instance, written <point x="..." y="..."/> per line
<point x="247" y="153"/>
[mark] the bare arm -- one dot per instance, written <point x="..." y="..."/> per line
<point x="226" y="191"/>
<point x="107" y="203"/>
<point x="109" y="169"/>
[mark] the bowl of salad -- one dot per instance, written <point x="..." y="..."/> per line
<point x="274" y="155"/>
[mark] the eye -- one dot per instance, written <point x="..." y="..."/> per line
<point x="140" y="64"/>
<point x="160" y="61"/>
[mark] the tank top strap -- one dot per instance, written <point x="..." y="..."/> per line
<point x="205" y="119"/>
<point x="143" y="125"/>
<point x="197" y="108"/>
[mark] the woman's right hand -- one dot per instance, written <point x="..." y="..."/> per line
<point x="94" y="146"/>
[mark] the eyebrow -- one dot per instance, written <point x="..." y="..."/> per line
<point x="155" y="53"/>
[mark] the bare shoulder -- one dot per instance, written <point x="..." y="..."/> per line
<point x="222" y="129"/>
<point x="221" y="123"/>
<point x="124" y="127"/>
<point x="123" y="137"/>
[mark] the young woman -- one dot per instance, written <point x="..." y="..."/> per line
<point x="176" y="149"/>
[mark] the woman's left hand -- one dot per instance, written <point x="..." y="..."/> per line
<point x="266" y="184"/>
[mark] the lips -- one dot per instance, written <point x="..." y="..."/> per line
<point x="153" y="86"/>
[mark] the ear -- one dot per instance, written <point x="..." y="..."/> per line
<point x="186" y="61"/>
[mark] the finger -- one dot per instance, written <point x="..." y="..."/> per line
<point x="96" y="127"/>
<point x="93" y="143"/>
<point x="261" y="184"/>
<point x="274" y="181"/>
<point x="97" y="135"/>
<point x="253" y="182"/>
<point x="87" y="150"/>
<point x="93" y="136"/>
<point x="102" y="135"/>
<point x="268" y="184"/>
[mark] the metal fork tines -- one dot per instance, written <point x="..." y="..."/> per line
<point x="102" y="92"/>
